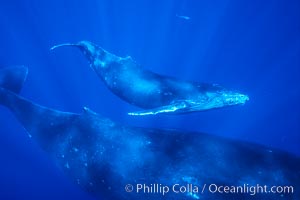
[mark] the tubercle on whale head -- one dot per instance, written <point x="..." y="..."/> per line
<point x="230" y="98"/>
<point x="221" y="99"/>
<point x="237" y="98"/>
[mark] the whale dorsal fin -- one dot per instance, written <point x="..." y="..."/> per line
<point x="89" y="111"/>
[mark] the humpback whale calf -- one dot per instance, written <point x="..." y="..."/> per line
<point x="153" y="92"/>
<point x="113" y="161"/>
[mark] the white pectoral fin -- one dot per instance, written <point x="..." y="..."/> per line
<point x="168" y="109"/>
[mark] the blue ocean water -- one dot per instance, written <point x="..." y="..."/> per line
<point x="250" y="46"/>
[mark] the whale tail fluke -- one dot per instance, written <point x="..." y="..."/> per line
<point x="38" y="121"/>
<point x="11" y="79"/>
<point x="62" y="45"/>
<point x="92" y="51"/>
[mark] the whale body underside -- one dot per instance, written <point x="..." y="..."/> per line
<point x="155" y="93"/>
<point x="112" y="161"/>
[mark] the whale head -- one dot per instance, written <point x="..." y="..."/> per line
<point x="224" y="99"/>
<point x="233" y="98"/>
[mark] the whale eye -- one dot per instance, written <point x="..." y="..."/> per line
<point x="230" y="100"/>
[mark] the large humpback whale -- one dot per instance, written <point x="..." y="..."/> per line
<point x="112" y="161"/>
<point x="151" y="91"/>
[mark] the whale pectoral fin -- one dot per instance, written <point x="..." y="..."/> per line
<point x="171" y="108"/>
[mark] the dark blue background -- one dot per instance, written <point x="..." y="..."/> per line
<point x="251" y="46"/>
